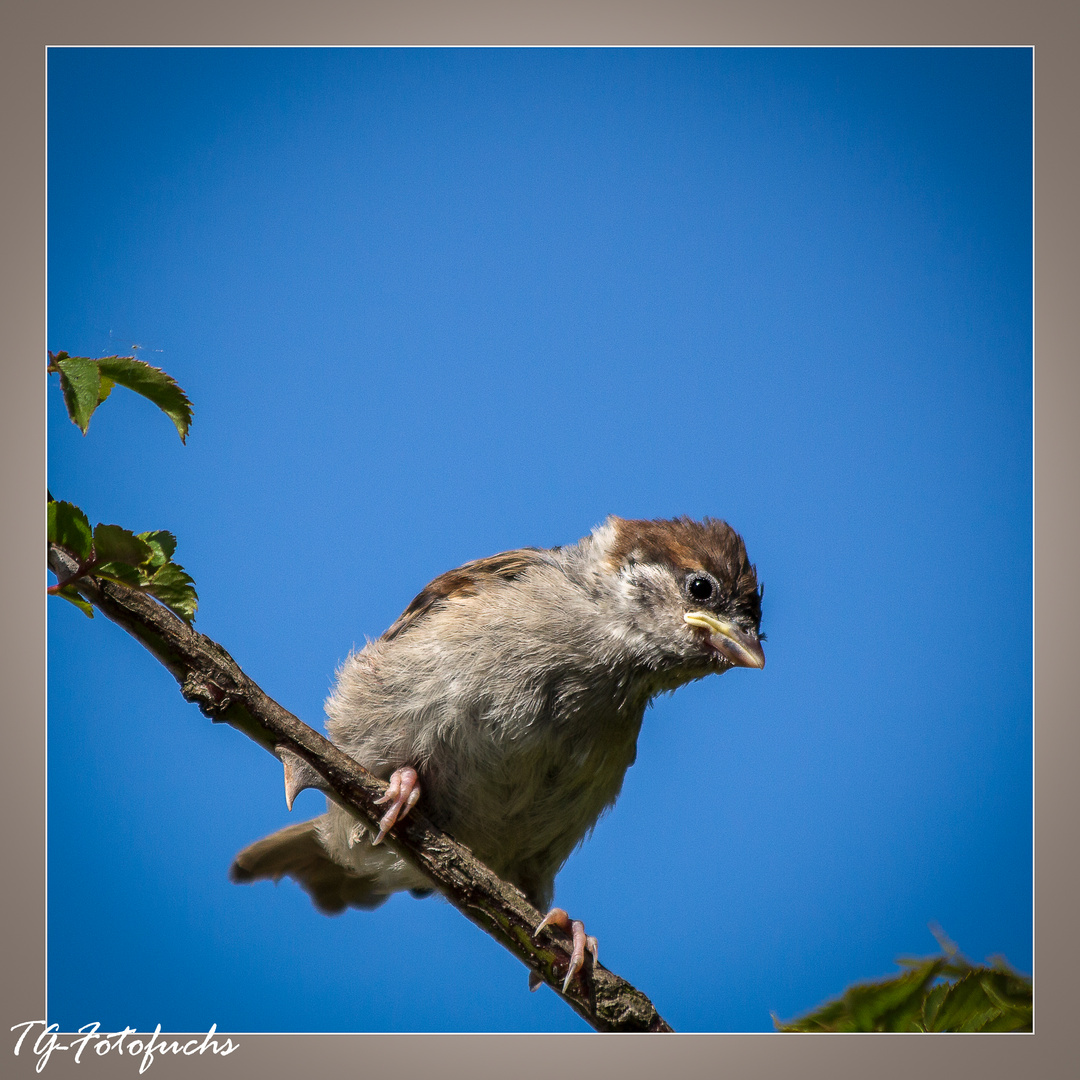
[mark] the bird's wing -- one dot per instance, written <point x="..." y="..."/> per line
<point x="467" y="580"/>
<point x="297" y="853"/>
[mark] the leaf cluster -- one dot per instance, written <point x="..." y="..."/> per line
<point x="87" y="383"/>
<point x="937" y="993"/>
<point x="142" y="561"/>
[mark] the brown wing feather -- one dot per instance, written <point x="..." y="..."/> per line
<point x="465" y="581"/>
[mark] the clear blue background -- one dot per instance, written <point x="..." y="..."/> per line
<point x="432" y="305"/>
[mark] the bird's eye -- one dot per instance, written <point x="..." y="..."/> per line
<point x="700" y="587"/>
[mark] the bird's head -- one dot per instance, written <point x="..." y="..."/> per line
<point x="684" y="594"/>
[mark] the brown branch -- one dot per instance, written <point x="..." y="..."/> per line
<point x="210" y="678"/>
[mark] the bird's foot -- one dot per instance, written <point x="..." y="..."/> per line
<point x="402" y="794"/>
<point x="576" y="929"/>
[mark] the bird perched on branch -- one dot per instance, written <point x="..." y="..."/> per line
<point x="508" y="697"/>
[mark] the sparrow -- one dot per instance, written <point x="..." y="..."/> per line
<point x="508" y="697"/>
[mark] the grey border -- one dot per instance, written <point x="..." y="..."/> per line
<point x="1046" y="24"/>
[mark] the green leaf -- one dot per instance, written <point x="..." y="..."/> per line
<point x="893" y="1004"/>
<point x="175" y="589"/>
<point x="987" y="1000"/>
<point x="1010" y="1017"/>
<point x="1006" y="988"/>
<point x="827" y="1018"/>
<point x="963" y="1005"/>
<point x="123" y="572"/>
<point x="80" y="379"/>
<point x="106" y="388"/>
<point x="974" y="999"/>
<point x="70" y="528"/>
<point x="884" y="1005"/>
<point x="1011" y="1020"/>
<point x="932" y="1005"/>
<point x="153" y="384"/>
<point x="72" y="597"/>
<point x="114" y="544"/>
<point x="161" y="543"/>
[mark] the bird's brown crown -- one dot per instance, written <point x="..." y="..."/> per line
<point x="686" y="545"/>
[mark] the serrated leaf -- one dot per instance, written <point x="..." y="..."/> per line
<point x="154" y="385"/>
<point x="932" y="1005"/>
<point x="1007" y="989"/>
<point x="175" y="588"/>
<point x="162" y="545"/>
<point x="975" y="999"/>
<point x="824" y="1019"/>
<point x="113" y="544"/>
<point x="1011" y="996"/>
<point x="963" y="1003"/>
<point x="122" y="572"/>
<point x="978" y="1021"/>
<point x="72" y="597"/>
<point x="891" y="1005"/>
<point x="1010" y="1020"/>
<point x="105" y="389"/>
<point x="70" y="528"/>
<point x="80" y="380"/>
<point x="883" y="1005"/>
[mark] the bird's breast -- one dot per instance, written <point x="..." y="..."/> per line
<point x="523" y="794"/>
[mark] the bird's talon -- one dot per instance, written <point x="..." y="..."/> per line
<point x="555" y="917"/>
<point x="581" y="942"/>
<point x="403" y="793"/>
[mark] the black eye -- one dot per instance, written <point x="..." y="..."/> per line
<point x="700" y="587"/>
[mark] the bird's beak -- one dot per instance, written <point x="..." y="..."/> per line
<point x="734" y="644"/>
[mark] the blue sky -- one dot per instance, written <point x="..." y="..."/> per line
<point x="433" y="304"/>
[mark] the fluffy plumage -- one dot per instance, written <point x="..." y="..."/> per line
<point x="516" y="686"/>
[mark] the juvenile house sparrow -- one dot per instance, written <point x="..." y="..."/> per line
<point x="509" y="695"/>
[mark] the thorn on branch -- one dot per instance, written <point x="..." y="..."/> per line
<point x="299" y="775"/>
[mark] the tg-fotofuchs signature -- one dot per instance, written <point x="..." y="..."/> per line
<point x="120" y="1042"/>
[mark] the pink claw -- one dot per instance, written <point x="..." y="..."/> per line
<point x="403" y="793"/>
<point x="576" y="929"/>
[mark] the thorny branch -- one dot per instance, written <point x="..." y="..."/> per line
<point x="210" y="678"/>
